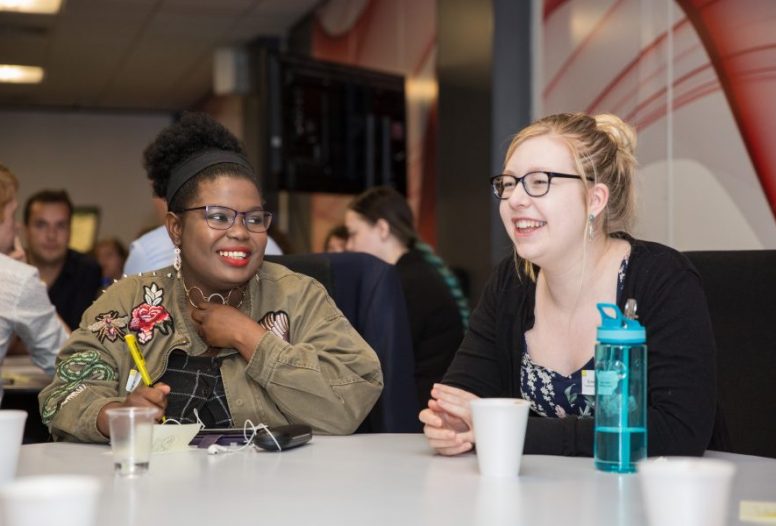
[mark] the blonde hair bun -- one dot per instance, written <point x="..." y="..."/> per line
<point x="621" y="133"/>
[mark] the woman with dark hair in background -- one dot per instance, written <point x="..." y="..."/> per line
<point x="226" y="336"/>
<point x="380" y="222"/>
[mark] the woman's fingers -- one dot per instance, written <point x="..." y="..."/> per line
<point x="459" y="410"/>
<point x="453" y="395"/>
<point x="452" y="391"/>
<point x="439" y="433"/>
<point x="430" y="418"/>
<point x="454" y="450"/>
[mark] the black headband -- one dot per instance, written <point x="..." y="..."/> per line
<point x="199" y="162"/>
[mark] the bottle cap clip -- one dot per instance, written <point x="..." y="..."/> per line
<point x="617" y="329"/>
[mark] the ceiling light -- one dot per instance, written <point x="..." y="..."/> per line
<point x="40" y="7"/>
<point x="20" y="74"/>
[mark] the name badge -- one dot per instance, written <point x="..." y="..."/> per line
<point x="172" y="437"/>
<point x="588" y="382"/>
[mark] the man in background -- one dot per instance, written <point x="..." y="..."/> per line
<point x="73" y="279"/>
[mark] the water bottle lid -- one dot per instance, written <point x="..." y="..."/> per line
<point x="616" y="328"/>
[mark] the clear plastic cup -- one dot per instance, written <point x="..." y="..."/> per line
<point x="11" y="434"/>
<point x="131" y="438"/>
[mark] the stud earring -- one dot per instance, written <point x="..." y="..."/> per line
<point x="177" y="263"/>
<point x="590" y="232"/>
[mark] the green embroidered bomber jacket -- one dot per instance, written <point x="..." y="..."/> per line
<point x="311" y="367"/>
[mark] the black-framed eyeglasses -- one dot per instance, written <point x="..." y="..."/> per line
<point x="536" y="184"/>
<point x="222" y="217"/>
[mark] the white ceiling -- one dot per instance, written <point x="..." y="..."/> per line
<point x="133" y="54"/>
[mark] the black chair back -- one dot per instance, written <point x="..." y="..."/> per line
<point x="741" y="290"/>
<point x="368" y="292"/>
<point x="314" y="265"/>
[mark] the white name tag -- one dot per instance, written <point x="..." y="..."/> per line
<point x="588" y="382"/>
<point x="173" y="437"/>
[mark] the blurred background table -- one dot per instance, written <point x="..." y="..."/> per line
<point x="22" y="381"/>
<point x="377" y="479"/>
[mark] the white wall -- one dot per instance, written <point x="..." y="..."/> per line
<point x="96" y="157"/>
<point x="642" y="60"/>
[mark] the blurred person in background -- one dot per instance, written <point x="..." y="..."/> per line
<point x="25" y="308"/>
<point x="110" y="254"/>
<point x="380" y="222"/>
<point x="73" y="279"/>
<point x="336" y="240"/>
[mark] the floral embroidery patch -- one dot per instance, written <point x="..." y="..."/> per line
<point x="72" y="373"/>
<point x="109" y="325"/>
<point x="150" y="315"/>
<point x="277" y="323"/>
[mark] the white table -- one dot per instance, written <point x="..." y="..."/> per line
<point x="368" y="480"/>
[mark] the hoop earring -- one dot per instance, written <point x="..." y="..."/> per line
<point x="590" y="231"/>
<point x="176" y="264"/>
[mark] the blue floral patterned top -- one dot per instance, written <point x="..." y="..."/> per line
<point x="556" y="395"/>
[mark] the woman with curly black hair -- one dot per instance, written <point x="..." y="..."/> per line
<point x="226" y="336"/>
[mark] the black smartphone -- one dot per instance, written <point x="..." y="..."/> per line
<point x="221" y="436"/>
<point x="287" y="437"/>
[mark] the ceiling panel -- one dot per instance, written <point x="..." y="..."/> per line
<point x="229" y="7"/>
<point x="145" y="54"/>
<point x="25" y="48"/>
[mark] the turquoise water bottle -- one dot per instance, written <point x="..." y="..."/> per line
<point x="620" y="391"/>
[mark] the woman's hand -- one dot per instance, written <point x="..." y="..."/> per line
<point x="448" y="420"/>
<point x="225" y="326"/>
<point x="154" y="396"/>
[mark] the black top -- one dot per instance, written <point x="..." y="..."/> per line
<point x="681" y="377"/>
<point x="435" y="323"/>
<point x="76" y="287"/>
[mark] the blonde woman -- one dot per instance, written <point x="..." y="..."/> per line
<point x="567" y="203"/>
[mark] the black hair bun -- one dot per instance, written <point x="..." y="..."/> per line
<point x="191" y="134"/>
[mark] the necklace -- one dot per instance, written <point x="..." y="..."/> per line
<point x="216" y="295"/>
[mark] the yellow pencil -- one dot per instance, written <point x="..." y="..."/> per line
<point x="137" y="357"/>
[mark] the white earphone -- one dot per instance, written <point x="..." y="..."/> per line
<point x="215" y="449"/>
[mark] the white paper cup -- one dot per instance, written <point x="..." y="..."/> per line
<point x="11" y="433"/>
<point x="64" y="500"/>
<point x="686" y="491"/>
<point x="131" y="432"/>
<point x="499" y="434"/>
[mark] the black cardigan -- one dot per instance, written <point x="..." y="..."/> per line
<point x="435" y="323"/>
<point x="681" y="379"/>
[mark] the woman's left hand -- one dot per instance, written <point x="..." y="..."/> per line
<point x="225" y="326"/>
<point x="448" y="420"/>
